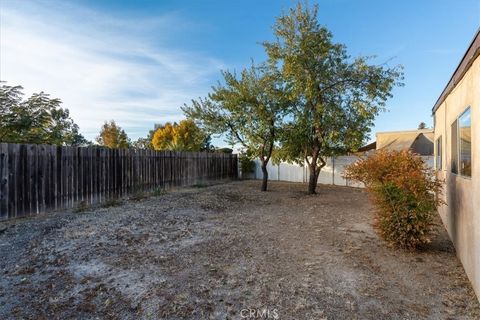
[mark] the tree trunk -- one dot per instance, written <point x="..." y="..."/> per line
<point x="265" y="176"/>
<point x="313" y="178"/>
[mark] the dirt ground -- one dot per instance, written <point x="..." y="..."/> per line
<point x="226" y="252"/>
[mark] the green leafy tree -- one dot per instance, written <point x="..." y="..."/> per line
<point x="144" y="143"/>
<point x="182" y="136"/>
<point x="113" y="136"/>
<point x="337" y="97"/>
<point x="249" y="109"/>
<point x="10" y="100"/>
<point x="224" y="150"/>
<point x="422" y="125"/>
<point x="38" y="119"/>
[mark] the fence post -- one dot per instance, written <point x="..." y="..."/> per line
<point x="333" y="170"/>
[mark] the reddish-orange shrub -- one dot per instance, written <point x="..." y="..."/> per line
<point x="404" y="191"/>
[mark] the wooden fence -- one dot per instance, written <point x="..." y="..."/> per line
<point x="39" y="178"/>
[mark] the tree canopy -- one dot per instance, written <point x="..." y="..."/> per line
<point x="182" y="136"/>
<point x="248" y="108"/>
<point x="336" y="97"/>
<point x="39" y="119"/>
<point x="422" y="125"/>
<point x="113" y="136"/>
<point x="144" y="143"/>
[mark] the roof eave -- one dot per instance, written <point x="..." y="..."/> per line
<point x="470" y="55"/>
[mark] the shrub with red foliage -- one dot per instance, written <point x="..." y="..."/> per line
<point x="405" y="192"/>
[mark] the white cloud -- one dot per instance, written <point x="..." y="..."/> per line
<point x="102" y="67"/>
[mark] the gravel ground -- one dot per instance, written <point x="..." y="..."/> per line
<point x="226" y="252"/>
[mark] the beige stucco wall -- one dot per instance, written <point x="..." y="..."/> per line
<point x="461" y="215"/>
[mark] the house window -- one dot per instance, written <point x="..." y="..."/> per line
<point x="454" y="145"/>
<point x="465" y="144"/>
<point x="438" y="151"/>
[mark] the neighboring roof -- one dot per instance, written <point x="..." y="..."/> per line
<point x="470" y="55"/>
<point x="419" y="141"/>
<point x="368" y="147"/>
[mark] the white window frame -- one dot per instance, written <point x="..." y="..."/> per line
<point x="459" y="142"/>
<point x="439" y="153"/>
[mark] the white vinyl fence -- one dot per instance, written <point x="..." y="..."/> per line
<point x="332" y="173"/>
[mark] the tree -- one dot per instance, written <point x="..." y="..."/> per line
<point x="144" y="143"/>
<point x="224" y="150"/>
<point x="337" y="98"/>
<point x="249" y="109"/>
<point x="38" y="119"/>
<point x="422" y="125"/>
<point x="112" y="136"/>
<point x="10" y="101"/>
<point x="183" y="136"/>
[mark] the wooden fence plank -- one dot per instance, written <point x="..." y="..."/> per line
<point x="42" y="171"/>
<point x="23" y="181"/>
<point x="4" y="177"/>
<point x="13" y="153"/>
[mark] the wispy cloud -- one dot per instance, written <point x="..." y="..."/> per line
<point x="102" y="67"/>
<point x="443" y="51"/>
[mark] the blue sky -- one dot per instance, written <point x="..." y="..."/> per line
<point x="138" y="61"/>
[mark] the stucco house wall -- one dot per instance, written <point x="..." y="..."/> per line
<point x="461" y="214"/>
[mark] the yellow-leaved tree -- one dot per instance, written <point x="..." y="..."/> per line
<point x="113" y="136"/>
<point x="183" y="136"/>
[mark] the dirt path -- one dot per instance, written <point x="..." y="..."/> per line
<point x="212" y="252"/>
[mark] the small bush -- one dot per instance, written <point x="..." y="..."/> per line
<point x="138" y="196"/>
<point x="404" y="191"/>
<point x="246" y="164"/>
<point x="81" y="207"/>
<point x="158" y="192"/>
<point x="112" y="202"/>
<point x="199" y="185"/>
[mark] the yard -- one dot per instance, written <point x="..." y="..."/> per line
<point x="222" y="252"/>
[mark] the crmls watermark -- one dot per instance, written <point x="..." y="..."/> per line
<point x="262" y="313"/>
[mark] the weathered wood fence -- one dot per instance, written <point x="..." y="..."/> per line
<point x="38" y="178"/>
